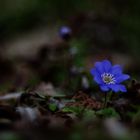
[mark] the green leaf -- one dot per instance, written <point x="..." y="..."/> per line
<point x="108" y="112"/>
<point x="52" y="107"/>
<point x="76" y="110"/>
<point x="89" y="114"/>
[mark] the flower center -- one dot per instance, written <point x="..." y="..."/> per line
<point x="108" y="78"/>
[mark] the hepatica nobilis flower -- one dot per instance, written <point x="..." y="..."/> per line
<point x="109" y="77"/>
<point x="65" y="32"/>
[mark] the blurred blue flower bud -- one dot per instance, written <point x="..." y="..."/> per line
<point x="65" y="32"/>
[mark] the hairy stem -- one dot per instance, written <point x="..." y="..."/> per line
<point x="105" y="100"/>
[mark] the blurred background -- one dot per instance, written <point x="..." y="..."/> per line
<point x="33" y="49"/>
<point x="49" y="47"/>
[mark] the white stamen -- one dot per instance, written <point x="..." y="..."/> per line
<point x="108" y="78"/>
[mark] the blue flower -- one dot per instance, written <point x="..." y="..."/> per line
<point x="65" y="32"/>
<point x="109" y="77"/>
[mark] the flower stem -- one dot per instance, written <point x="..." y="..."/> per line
<point x="105" y="101"/>
<point x="111" y="96"/>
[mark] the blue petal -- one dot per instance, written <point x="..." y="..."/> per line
<point x="98" y="79"/>
<point x="93" y="71"/>
<point x="122" y="78"/>
<point x="97" y="76"/>
<point x="107" y="65"/>
<point x="104" y="88"/>
<point x="117" y="88"/>
<point x="123" y="88"/>
<point x="116" y="69"/>
<point x="99" y="67"/>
